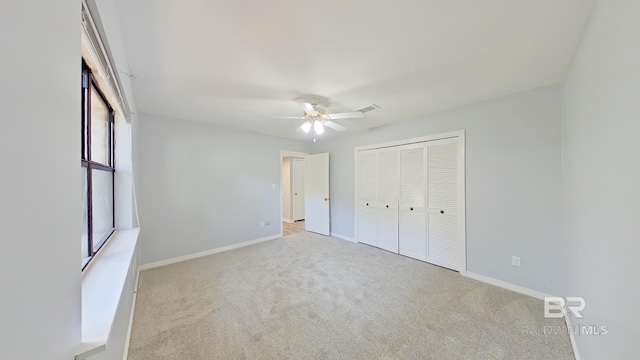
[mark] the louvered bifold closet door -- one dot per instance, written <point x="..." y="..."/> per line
<point x="388" y="199"/>
<point x="412" y="212"/>
<point x="442" y="198"/>
<point x="367" y="197"/>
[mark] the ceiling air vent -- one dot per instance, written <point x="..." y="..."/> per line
<point x="368" y="108"/>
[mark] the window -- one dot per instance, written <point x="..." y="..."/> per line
<point x="98" y="168"/>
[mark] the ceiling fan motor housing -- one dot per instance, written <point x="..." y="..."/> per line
<point x="313" y="99"/>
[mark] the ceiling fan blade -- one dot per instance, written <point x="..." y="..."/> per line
<point x="289" y="117"/>
<point x="308" y="108"/>
<point x="334" y="126"/>
<point x="345" y="115"/>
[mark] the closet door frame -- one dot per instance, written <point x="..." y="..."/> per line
<point x="461" y="210"/>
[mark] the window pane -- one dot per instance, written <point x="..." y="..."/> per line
<point x="99" y="129"/>
<point x="85" y="112"/>
<point x="102" y="197"/>
<point x="85" y="218"/>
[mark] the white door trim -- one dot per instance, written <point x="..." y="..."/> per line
<point x="459" y="133"/>
<point x="462" y="202"/>
<point x="284" y="154"/>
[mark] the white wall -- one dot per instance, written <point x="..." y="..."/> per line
<point x="601" y="177"/>
<point x="40" y="180"/>
<point x="513" y="183"/>
<point x="201" y="187"/>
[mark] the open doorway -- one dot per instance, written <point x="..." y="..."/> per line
<point x="292" y="192"/>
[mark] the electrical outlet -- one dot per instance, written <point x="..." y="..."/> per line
<point x="515" y="260"/>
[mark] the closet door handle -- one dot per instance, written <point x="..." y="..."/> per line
<point x="387" y="206"/>
<point x="441" y="211"/>
<point x="411" y="209"/>
<point x="367" y="204"/>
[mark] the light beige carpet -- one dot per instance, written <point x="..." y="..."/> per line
<point x="313" y="297"/>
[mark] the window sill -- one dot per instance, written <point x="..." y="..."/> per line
<point x="102" y="285"/>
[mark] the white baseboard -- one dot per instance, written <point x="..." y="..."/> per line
<point x="505" y="285"/>
<point x="530" y="292"/>
<point x="207" y="252"/>
<point x="572" y="337"/>
<point x="343" y="237"/>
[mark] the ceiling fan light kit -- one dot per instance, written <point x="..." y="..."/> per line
<point x="317" y="118"/>
<point x="306" y="126"/>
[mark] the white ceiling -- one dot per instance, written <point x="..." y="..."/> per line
<point x="238" y="63"/>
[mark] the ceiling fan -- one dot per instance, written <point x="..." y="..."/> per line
<point x="316" y="118"/>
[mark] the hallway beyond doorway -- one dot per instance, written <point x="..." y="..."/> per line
<point x="292" y="228"/>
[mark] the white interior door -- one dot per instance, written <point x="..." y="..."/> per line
<point x="412" y="212"/>
<point x="367" y="197"/>
<point x="388" y="199"/>
<point x="298" y="188"/>
<point x="442" y="203"/>
<point x="316" y="203"/>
